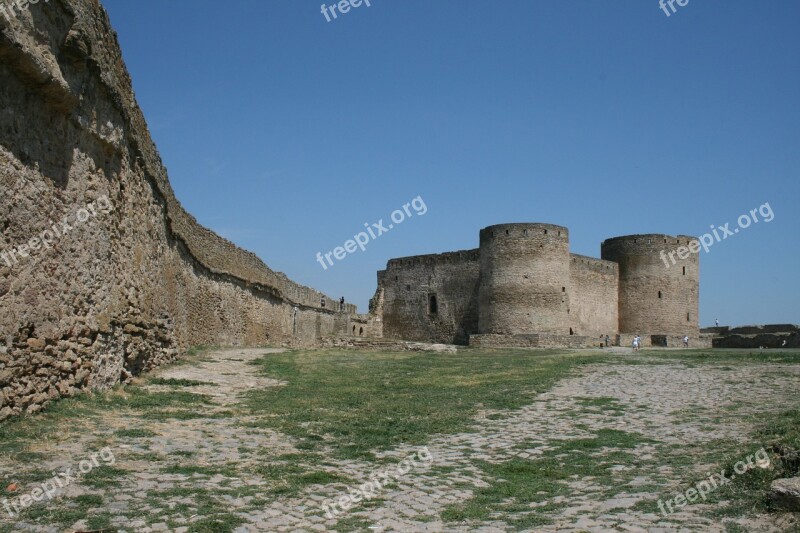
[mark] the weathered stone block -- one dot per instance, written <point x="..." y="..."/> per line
<point x="786" y="493"/>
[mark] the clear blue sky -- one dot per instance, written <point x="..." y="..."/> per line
<point x="286" y="133"/>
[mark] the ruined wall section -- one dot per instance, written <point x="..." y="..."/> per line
<point x="131" y="286"/>
<point x="594" y="297"/>
<point x="430" y="298"/>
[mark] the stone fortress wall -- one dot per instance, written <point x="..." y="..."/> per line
<point x="128" y="289"/>
<point x="523" y="287"/>
<point x="431" y="297"/>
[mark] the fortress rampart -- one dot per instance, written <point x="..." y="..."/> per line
<point x="431" y="297"/>
<point x="127" y="290"/>
<point x="523" y="287"/>
<point x="594" y="296"/>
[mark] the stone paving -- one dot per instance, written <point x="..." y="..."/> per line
<point x="677" y="406"/>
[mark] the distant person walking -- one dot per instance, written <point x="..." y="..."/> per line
<point x="607" y="341"/>
<point x="686" y="341"/>
<point x="716" y="321"/>
<point x="341" y="303"/>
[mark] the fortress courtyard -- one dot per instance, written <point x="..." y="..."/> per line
<point x="479" y="440"/>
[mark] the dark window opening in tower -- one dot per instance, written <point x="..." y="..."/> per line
<point x="684" y="271"/>
<point x="659" y="295"/>
<point x="433" y="305"/>
<point x="571" y="332"/>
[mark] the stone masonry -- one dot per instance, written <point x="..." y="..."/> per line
<point x="118" y="290"/>
<point x="523" y="287"/>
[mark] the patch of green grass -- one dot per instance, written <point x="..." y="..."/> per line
<point x="50" y="513"/>
<point x="173" y="382"/>
<point x="90" y="500"/>
<point x="351" y="523"/>
<point x="750" y="491"/>
<point x="227" y="470"/>
<point x="602" y="403"/>
<point x="138" y="398"/>
<point x="781" y="435"/>
<point x="184" y="414"/>
<point x="150" y="457"/>
<point x="362" y="402"/>
<point x="777" y="433"/>
<point x="515" y="484"/>
<point x="17" y="433"/>
<point x="23" y="479"/>
<point x="183" y="453"/>
<point x="134" y="433"/>
<point x="213" y="512"/>
<point x="78" y="415"/>
<point x="290" y="478"/>
<point x="726" y="357"/>
<point x="99" y="522"/>
<point x="53" y="515"/>
<point x="730" y="527"/>
<point x="605" y="438"/>
<point x="103" y="476"/>
<point x="218" y="523"/>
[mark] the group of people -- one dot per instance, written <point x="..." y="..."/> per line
<point x="341" y="303"/>
<point x="637" y="343"/>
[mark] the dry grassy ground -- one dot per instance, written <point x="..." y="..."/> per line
<point x="263" y="440"/>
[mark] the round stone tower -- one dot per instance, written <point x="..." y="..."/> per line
<point x="524" y="284"/>
<point x="659" y="288"/>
